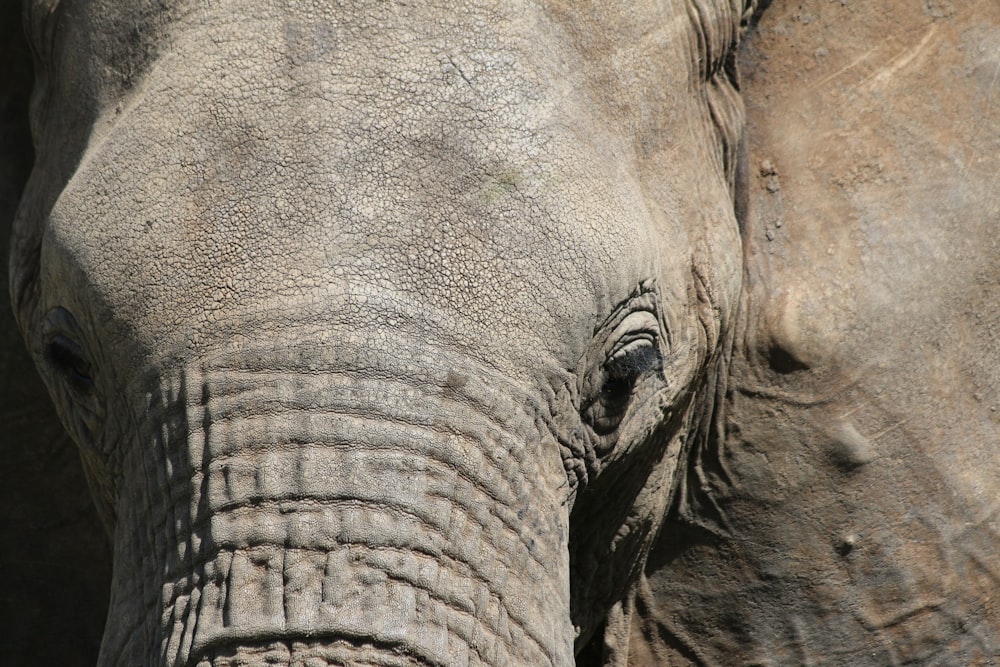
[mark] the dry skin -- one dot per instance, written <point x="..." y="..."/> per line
<point x="857" y="484"/>
<point x="586" y="360"/>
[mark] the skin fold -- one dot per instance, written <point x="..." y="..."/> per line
<point x="524" y="333"/>
<point x="850" y="516"/>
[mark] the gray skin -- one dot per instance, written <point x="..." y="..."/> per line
<point x="381" y="327"/>
<point x="414" y="335"/>
<point x="850" y="513"/>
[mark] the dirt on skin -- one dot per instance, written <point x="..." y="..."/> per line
<point x="849" y="517"/>
<point x="856" y="485"/>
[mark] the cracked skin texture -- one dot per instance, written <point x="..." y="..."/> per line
<point x="858" y="520"/>
<point x="841" y="510"/>
<point x="380" y="325"/>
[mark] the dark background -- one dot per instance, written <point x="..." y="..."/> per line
<point x="55" y="560"/>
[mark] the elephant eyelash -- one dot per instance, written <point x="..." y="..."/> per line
<point x="624" y="370"/>
<point x="633" y="361"/>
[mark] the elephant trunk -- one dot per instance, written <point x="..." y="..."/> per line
<point x="333" y="517"/>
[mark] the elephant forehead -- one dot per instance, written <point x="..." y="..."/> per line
<point x="501" y="259"/>
<point x="488" y="191"/>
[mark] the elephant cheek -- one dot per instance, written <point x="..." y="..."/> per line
<point x="318" y="522"/>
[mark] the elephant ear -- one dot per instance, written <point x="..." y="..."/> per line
<point x="53" y="551"/>
<point x="848" y="501"/>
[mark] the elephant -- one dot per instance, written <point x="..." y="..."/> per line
<point x="524" y="333"/>
<point x="851" y="513"/>
<point x="381" y="328"/>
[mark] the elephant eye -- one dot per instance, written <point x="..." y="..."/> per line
<point x="626" y="366"/>
<point x="68" y="359"/>
<point x="635" y="356"/>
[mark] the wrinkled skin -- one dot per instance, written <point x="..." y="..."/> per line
<point x="392" y="344"/>
<point x="381" y="328"/>
<point x="852" y="513"/>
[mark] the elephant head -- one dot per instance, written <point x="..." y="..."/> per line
<point x="382" y="328"/>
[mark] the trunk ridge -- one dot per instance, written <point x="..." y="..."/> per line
<point x="415" y="531"/>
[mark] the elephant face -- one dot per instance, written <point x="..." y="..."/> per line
<point x="382" y="329"/>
